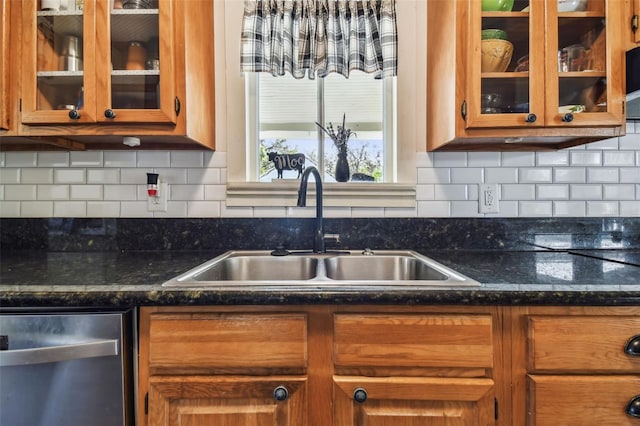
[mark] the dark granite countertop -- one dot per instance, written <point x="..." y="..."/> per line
<point x="133" y="278"/>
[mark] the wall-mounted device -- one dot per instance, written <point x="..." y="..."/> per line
<point x="158" y="193"/>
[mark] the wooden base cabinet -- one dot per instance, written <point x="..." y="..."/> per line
<point x="321" y="366"/>
<point x="576" y="366"/>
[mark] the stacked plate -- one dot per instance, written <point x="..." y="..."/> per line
<point x="138" y="4"/>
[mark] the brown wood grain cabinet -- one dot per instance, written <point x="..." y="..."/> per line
<point x="9" y="43"/>
<point x="93" y="74"/>
<point x="636" y="19"/>
<point x="576" y="365"/>
<point x="539" y="100"/>
<point x="354" y="365"/>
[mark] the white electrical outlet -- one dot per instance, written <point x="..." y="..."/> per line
<point x="159" y="203"/>
<point x="488" y="198"/>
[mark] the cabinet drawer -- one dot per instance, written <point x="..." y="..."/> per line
<point x="405" y="340"/>
<point x="228" y="341"/>
<point x="581" y="400"/>
<point x="581" y="343"/>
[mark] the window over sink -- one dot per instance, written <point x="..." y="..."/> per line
<point x="395" y="189"/>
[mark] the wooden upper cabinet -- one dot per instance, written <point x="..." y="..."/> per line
<point x="636" y="18"/>
<point x="97" y="71"/>
<point x="6" y="69"/>
<point x="560" y="85"/>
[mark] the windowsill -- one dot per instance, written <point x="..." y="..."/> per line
<point x="350" y="194"/>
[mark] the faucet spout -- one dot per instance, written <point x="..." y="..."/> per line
<point x="318" y="235"/>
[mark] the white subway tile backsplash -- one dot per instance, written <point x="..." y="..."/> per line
<point x="10" y="176"/>
<point x="203" y="176"/>
<point x="36" y="209"/>
<point x="535" y="175"/>
<point x="437" y="175"/>
<point x="602" y="175"/>
<point x="552" y="192"/>
<point x="187" y="158"/>
<point x="618" y="192"/>
<point x="69" y="176"/>
<point x="556" y="158"/>
<point x="450" y="159"/>
<point x="535" y="208"/>
<point x="629" y="175"/>
<point x="53" y="159"/>
<point x="120" y="192"/>
<point x="86" y="159"/>
<point x="518" y="159"/>
<point x="467" y="175"/>
<point x="598" y="179"/>
<point x="465" y="209"/>
<point x="630" y="141"/>
<point x="35" y="175"/>
<point x="602" y="208"/>
<point x="10" y="208"/>
<point x="586" y="158"/>
<point x="86" y="192"/>
<point x="21" y="159"/>
<point x="618" y="158"/>
<point x="606" y="144"/>
<point x="103" y="209"/>
<point x="69" y="208"/>
<point x="103" y="176"/>
<point x="434" y="209"/>
<point x="483" y="159"/>
<point x="53" y="192"/>
<point x="570" y="175"/>
<point x="450" y="192"/>
<point x="518" y="192"/>
<point x="586" y="192"/>
<point x="501" y="175"/>
<point x="120" y="158"/>
<point x="570" y="208"/>
<point x="630" y="208"/>
<point x="20" y="192"/>
<point x="154" y="159"/>
<point x="425" y="192"/>
<point x="203" y="208"/>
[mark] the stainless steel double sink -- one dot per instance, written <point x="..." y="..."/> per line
<point x="348" y="268"/>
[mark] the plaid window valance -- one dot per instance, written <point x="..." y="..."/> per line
<point x="318" y="37"/>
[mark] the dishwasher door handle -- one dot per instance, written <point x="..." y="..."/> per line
<point x="46" y="354"/>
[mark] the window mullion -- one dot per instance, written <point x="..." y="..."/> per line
<point x="320" y="119"/>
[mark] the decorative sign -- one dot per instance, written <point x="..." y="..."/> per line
<point x="287" y="162"/>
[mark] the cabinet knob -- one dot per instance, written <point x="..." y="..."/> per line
<point x="360" y="395"/>
<point x="633" y="407"/>
<point x="568" y="117"/>
<point x="633" y="346"/>
<point x="280" y="393"/>
<point x="74" y="114"/>
<point x="109" y="113"/>
<point x="531" y="118"/>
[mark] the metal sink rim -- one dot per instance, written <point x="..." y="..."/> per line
<point x="453" y="278"/>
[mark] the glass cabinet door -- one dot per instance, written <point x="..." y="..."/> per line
<point x="98" y="61"/>
<point x="137" y="79"/>
<point x="506" y="75"/>
<point x="583" y="80"/>
<point x="4" y="73"/>
<point x="59" y="76"/>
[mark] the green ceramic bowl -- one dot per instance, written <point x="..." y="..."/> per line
<point x="497" y="5"/>
<point x="494" y="33"/>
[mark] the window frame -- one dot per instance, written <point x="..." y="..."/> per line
<point x="231" y="126"/>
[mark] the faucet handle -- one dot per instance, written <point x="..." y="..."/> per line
<point x="332" y="238"/>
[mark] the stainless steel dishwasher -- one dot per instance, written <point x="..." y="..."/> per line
<point x="66" y="368"/>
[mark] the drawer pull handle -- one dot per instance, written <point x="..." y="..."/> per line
<point x="567" y="118"/>
<point x="633" y="407"/>
<point x="109" y="113"/>
<point x="531" y="118"/>
<point x="74" y="114"/>
<point x="633" y="346"/>
<point x="280" y="393"/>
<point x="360" y="395"/>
